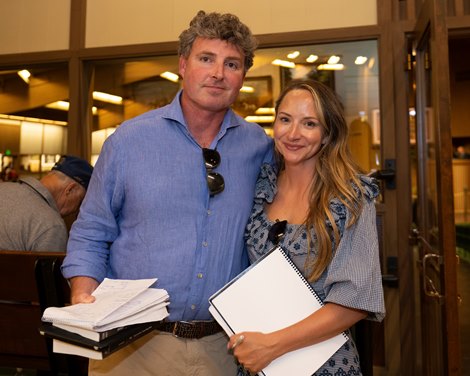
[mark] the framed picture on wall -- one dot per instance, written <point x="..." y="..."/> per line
<point x="307" y="72"/>
<point x="256" y="92"/>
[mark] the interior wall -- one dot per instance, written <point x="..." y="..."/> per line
<point x="43" y="25"/>
<point x="123" y="22"/>
<point x="34" y="25"/>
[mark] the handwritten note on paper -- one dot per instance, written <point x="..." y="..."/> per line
<point x="115" y="300"/>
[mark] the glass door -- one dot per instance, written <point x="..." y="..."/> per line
<point x="434" y="229"/>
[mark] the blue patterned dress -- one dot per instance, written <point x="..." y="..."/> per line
<point x="353" y="278"/>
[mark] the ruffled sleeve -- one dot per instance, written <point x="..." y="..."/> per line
<point x="354" y="278"/>
<point x="256" y="229"/>
<point x="370" y="187"/>
<point x="266" y="188"/>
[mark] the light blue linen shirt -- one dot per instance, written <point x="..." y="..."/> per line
<point x="147" y="212"/>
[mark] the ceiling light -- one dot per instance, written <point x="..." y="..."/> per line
<point x="64" y="106"/>
<point x="59" y="105"/>
<point x="25" y="75"/>
<point x="293" y="54"/>
<point x="170" y="76"/>
<point x="312" y="58"/>
<point x="360" y="60"/>
<point x="265" y="111"/>
<point x="30" y="119"/>
<point x="330" y="67"/>
<point x="333" y="59"/>
<point x="260" y="119"/>
<point x="247" y="89"/>
<point x="105" y="97"/>
<point x="283" y="63"/>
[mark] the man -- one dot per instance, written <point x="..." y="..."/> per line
<point x="170" y="197"/>
<point x="32" y="211"/>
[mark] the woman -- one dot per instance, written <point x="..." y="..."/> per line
<point x="330" y="232"/>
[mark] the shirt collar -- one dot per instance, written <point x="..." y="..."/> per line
<point x="41" y="190"/>
<point x="175" y="112"/>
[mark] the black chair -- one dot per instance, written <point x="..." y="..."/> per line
<point x="29" y="283"/>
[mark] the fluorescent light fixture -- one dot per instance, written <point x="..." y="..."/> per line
<point x="259" y="119"/>
<point x="170" y="76"/>
<point x="64" y="106"/>
<point x="247" y="89"/>
<point x="330" y="67"/>
<point x="59" y="105"/>
<point x="334" y="59"/>
<point x="25" y="75"/>
<point x="105" y="97"/>
<point x="265" y="111"/>
<point x="293" y="54"/>
<point x="7" y="121"/>
<point x="283" y="63"/>
<point x="33" y="120"/>
<point x="360" y="60"/>
<point x="311" y="58"/>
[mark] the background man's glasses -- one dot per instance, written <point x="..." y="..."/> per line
<point x="277" y="231"/>
<point x="215" y="181"/>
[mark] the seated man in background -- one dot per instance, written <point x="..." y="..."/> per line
<point x="32" y="211"/>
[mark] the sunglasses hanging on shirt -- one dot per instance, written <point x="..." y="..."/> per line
<point x="277" y="231"/>
<point x="215" y="181"/>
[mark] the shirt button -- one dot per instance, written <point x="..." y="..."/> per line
<point x="204" y="244"/>
<point x="193" y="307"/>
<point x="199" y="275"/>
<point x="209" y="212"/>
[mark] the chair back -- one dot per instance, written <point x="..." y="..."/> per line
<point x="29" y="283"/>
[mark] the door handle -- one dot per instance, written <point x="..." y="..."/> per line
<point x="428" y="284"/>
<point x="390" y="280"/>
<point x="387" y="174"/>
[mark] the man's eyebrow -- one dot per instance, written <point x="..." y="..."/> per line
<point x="210" y="53"/>
<point x="206" y="53"/>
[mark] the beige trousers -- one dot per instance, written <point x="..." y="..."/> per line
<point x="162" y="354"/>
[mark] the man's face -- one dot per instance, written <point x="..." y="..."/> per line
<point x="212" y="74"/>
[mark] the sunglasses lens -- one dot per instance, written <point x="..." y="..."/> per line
<point x="277" y="231"/>
<point x="215" y="182"/>
<point x="211" y="158"/>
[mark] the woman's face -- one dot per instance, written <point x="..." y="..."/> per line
<point x="298" y="133"/>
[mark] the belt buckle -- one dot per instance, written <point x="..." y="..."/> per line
<point x="173" y="332"/>
<point x="177" y="323"/>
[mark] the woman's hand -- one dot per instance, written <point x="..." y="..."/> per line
<point x="256" y="350"/>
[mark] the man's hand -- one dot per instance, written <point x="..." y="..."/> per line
<point x="81" y="289"/>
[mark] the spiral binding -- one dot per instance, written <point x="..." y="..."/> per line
<point x="291" y="263"/>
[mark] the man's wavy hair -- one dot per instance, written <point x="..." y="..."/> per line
<point x="225" y="27"/>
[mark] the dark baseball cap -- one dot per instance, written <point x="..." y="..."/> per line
<point x="76" y="168"/>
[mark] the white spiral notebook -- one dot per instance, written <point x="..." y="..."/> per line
<point x="272" y="294"/>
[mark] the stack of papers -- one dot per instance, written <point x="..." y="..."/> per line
<point x="119" y="305"/>
<point x="119" y="302"/>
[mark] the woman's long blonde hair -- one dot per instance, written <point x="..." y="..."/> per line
<point x="336" y="176"/>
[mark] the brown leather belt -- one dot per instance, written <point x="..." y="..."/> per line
<point x="190" y="329"/>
